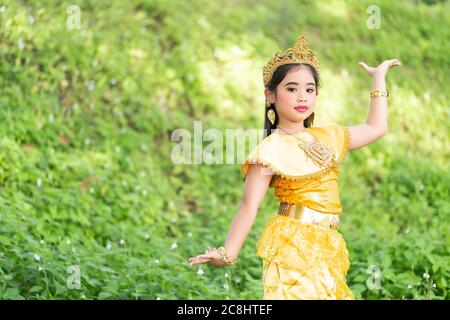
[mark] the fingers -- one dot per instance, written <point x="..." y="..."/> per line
<point x="195" y="261"/>
<point x="392" y="62"/>
<point x="362" y="64"/>
<point x="198" y="261"/>
<point x="203" y="258"/>
<point x="395" y="62"/>
<point x="365" y="67"/>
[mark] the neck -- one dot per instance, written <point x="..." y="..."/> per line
<point x="291" y="127"/>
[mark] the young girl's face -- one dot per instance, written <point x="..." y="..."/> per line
<point x="297" y="89"/>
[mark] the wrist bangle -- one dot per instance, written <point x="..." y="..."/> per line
<point x="378" y="93"/>
<point x="225" y="257"/>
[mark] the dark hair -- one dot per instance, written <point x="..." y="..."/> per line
<point x="277" y="77"/>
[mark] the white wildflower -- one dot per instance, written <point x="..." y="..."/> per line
<point x="39" y="183"/>
<point x="87" y="141"/>
<point x="36" y="257"/>
<point x="226" y="275"/>
<point x="173" y="246"/>
<point x="144" y="192"/>
<point x="189" y="234"/>
<point x="409" y="286"/>
<point x="157" y="261"/>
<point x="21" y="44"/>
<point x="147" y="236"/>
<point x="434" y="285"/>
<point x="40" y="268"/>
<point x="426" y="275"/>
<point x="91" y="85"/>
<point x="109" y="246"/>
<point x="122" y="242"/>
<point x="200" y="272"/>
<point x="226" y="286"/>
<point x="68" y="241"/>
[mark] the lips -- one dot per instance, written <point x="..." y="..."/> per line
<point x="301" y="108"/>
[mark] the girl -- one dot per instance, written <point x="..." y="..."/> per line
<point x="304" y="256"/>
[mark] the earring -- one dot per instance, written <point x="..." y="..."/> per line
<point x="271" y="115"/>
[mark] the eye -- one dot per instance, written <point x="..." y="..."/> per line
<point x="289" y="89"/>
<point x="310" y="90"/>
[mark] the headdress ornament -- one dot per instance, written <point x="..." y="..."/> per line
<point x="300" y="53"/>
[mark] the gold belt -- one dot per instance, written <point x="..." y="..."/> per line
<point x="308" y="215"/>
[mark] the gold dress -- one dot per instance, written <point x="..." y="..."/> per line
<point x="303" y="260"/>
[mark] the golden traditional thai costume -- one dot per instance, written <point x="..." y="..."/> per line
<point x="304" y="256"/>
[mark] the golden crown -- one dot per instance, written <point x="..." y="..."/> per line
<point x="300" y="53"/>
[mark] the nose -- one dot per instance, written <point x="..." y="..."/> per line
<point x="300" y="97"/>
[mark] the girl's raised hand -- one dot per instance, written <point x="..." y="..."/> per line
<point x="382" y="69"/>
<point x="211" y="257"/>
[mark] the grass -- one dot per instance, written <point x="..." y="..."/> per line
<point x="86" y="181"/>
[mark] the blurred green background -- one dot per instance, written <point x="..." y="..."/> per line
<point x="87" y="112"/>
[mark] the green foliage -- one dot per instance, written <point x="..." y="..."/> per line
<point x="87" y="113"/>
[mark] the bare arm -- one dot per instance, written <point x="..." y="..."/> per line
<point x="376" y="125"/>
<point x="255" y="187"/>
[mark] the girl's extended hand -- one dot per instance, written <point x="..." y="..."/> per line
<point x="382" y="69"/>
<point x="211" y="257"/>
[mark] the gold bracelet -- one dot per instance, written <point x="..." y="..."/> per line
<point x="378" y="93"/>
<point x="225" y="257"/>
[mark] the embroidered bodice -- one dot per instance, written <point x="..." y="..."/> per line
<point x="297" y="178"/>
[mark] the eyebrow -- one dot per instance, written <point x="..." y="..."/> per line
<point x="296" y="83"/>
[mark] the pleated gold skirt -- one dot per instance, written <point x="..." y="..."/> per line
<point x="303" y="261"/>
